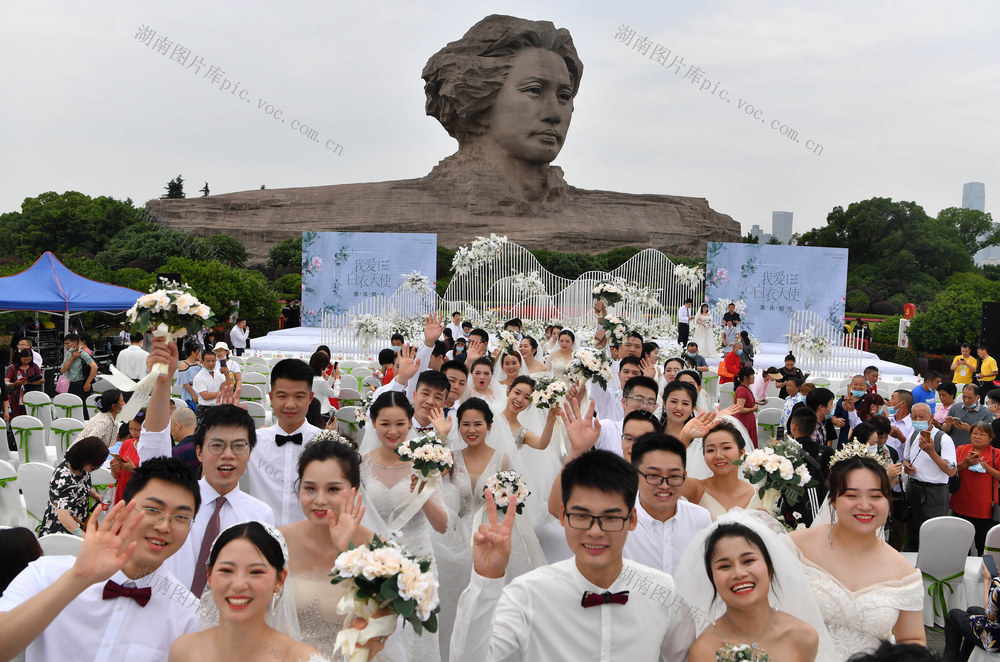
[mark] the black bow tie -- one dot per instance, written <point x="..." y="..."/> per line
<point x="596" y="599"/>
<point x="282" y="439"/>
<point x="429" y="428"/>
<point x="116" y="590"/>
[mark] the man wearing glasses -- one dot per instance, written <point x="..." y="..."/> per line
<point x="223" y="443"/>
<point x="665" y="524"/>
<point x="639" y="393"/>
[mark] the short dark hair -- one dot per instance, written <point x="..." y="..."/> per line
<point x="906" y="397"/>
<point x="522" y="379"/>
<point x="640" y="380"/>
<point x="726" y="426"/>
<point x="746" y="371"/>
<point x="692" y="343"/>
<point x="869" y="369"/>
<point x="516" y="321"/>
<point x="225" y="416"/>
<point x="88" y="451"/>
<point x="657" y="441"/>
<point x="643" y="415"/>
<point x="993" y="394"/>
<point x="635" y="334"/>
<point x="689" y="300"/>
<point x="167" y="469"/>
<point x="397" y="336"/>
<point x="259" y="537"/>
<point x="880" y="423"/>
<point x="964" y="345"/>
<point x="319" y="362"/>
<point x="240" y="319"/>
<point x="324" y="447"/>
<point x="790" y="357"/>
<point x="603" y="471"/>
<point x="482" y="360"/>
<point x="476" y="404"/>
<point x="648" y="348"/>
<point x="466" y="324"/>
<point x="440" y="349"/>
<point x="457" y="312"/>
<point x="862" y="431"/>
<point x="931" y="375"/>
<point x="629" y="360"/>
<point x="818" y="397"/>
<point x="455" y="365"/>
<point x="192" y="346"/>
<point x="108" y="399"/>
<point x="434" y="379"/>
<point x="136" y="336"/>
<point x="386" y="357"/>
<point x="294" y="370"/>
<point x="949" y="388"/>
<point x="837" y="478"/>
<point x="390" y="399"/>
<point x="805" y="420"/>
<point x="18" y="548"/>
<point x="975" y="388"/>
<point x="480" y="334"/>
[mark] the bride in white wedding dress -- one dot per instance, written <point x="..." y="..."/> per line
<point x="866" y="590"/>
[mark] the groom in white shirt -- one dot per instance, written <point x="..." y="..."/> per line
<point x="595" y="605"/>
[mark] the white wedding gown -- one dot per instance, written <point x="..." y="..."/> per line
<point x="387" y="488"/>
<point x="857" y="620"/>
<point x="704" y="336"/>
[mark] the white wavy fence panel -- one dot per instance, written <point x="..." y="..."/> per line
<point x="844" y="356"/>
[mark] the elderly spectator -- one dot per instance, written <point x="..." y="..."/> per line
<point x="927" y="391"/>
<point x="963" y="416"/>
<point x="897" y="410"/>
<point x="701" y="365"/>
<point x="231" y="369"/>
<point x="964" y="366"/>
<point x="856" y="407"/>
<point x="730" y="366"/>
<point x="787" y="372"/>
<point x="132" y="360"/>
<point x="946" y="394"/>
<point x="978" y="464"/>
<point x="792" y="385"/>
<point x="70" y="487"/>
<point x="929" y="461"/>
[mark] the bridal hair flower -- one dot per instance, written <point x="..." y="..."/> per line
<point x="857" y="449"/>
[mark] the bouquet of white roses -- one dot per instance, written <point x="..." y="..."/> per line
<point x="616" y="329"/>
<point x="609" y="293"/>
<point x="740" y="653"/>
<point x="383" y="577"/>
<point x="430" y="457"/>
<point x="548" y="392"/>
<point x="508" y="342"/>
<point x="779" y="470"/>
<point x="587" y="364"/>
<point x="507" y="484"/>
<point x="173" y="312"/>
<point x="416" y="282"/>
<point x="641" y="295"/>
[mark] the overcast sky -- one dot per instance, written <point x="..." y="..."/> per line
<point x="902" y="97"/>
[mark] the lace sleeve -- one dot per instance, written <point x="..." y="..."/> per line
<point x="520" y="436"/>
<point x="910" y="595"/>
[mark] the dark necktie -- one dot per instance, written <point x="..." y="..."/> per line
<point x="597" y="599"/>
<point x="282" y="439"/>
<point x="115" y="590"/>
<point x="211" y="533"/>
<point x="446" y="410"/>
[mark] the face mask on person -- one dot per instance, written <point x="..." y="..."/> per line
<point x="396" y="348"/>
<point x="858" y="394"/>
<point x="921" y="426"/>
<point x="889" y="411"/>
<point x="739" y="352"/>
<point x="829" y="415"/>
<point x="692" y="354"/>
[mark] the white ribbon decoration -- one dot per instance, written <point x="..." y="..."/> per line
<point x="350" y="639"/>
<point x="415" y="501"/>
<point x="144" y="388"/>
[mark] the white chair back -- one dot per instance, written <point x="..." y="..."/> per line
<point x="772" y="390"/>
<point x="361" y="374"/>
<point x="67" y="405"/>
<point x="274" y="360"/>
<point x="767" y="424"/>
<point x="347" y="422"/>
<point x="180" y="404"/>
<point x="251" y="393"/>
<point x="39" y="405"/>
<point x="726" y="395"/>
<point x="63" y="433"/>
<point x="101" y="479"/>
<point x="30" y="435"/>
<point x="348" y="382"/>
<point x="33" y="479"/>
<point x="775" y="402"/>
<point x="257" y="413"/>
<point x="944" y="546"/>
<point x="60" y="544"/>
<point x="91" y="403"/>
<point x="348" y="395"/>
<point x="992" y="546"/>
<point x="374" y="365"/>
<point x="100" y="385"/>
<point x="177" y="390"/>
<point x="349" y="365"/>
<point x="12" y="512"/>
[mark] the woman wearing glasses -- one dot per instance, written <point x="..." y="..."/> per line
<point x="70" y="488"/>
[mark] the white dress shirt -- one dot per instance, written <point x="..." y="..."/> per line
<point x="661" y="544"/>
<point x="607" y="401"/>
<point x="928" y="470"/>
<point x="683" y="315"/>
<point x="132" y="362"/>
<point x="273" y="470"/>
<point x="91" y="628"/>
<point x="239" y="507"/>
<point x="239" y="337"/>
<point x="538" y="616"/>
<point x="611" y="437"/>
<point x="905" y="426"/>
<point x="210" y="381"/>
<point x="456" y="331"/>
<point x="37" y="358"/>
<point x="323" y="390"/>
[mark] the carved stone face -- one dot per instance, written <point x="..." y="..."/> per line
<point x="533" y="109"/>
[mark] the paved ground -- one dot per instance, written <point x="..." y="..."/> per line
<point x="935" y="640"/>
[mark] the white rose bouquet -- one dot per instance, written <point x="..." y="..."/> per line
<point x="778" y="470"/>
<point x="508" y="342"/>
<point x="587" y="364"/>
<point x="482" y="251"/>
<point x="615" y="329"/>
<point x="383" y="577"/>
<point x="741" y="653"/>
<point x="548" y="392"/>
<point x="430" y="457"/>
<point x="504" y="485"/>
<point x="609" y="293"/>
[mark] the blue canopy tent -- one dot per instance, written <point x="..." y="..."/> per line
<point x="48" y="286"/>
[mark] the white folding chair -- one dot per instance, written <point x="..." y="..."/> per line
<point x="251" y="393"/>
<point x="374" y="365"/>
<point x="771" y="391"/>
<point x="347" y="422"/>
<point x="775" y="402"/>
<point x="349" y="365"/>
<point x="979" y="655"/>
<point x="361" y="374"/>
<point x="348" y="395"/>
<point x="944" y="548"/>
<point x="67" y="405"/>
<point x="257" y="413"/>
<point x="91" y="403"/>
<point x="726" y="398"/>
<point x="39" y="405"/>
<point x="60" y="544"/>
<point x="101" y="479"/>
<point x="64" y="432"/>
<point x="180" y="404"/>
<point x="33" y="478"/>
<point x="101" y="385"/>
<point x="274" y="360"/>
<point x="12" y="512"/>
<point x="31" y="447"/>
<point x="348" y="382"/>
<point x="768" y="419"/>
<point x="177" y="390"/>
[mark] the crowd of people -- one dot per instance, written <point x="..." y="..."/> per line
<point x="636" y="503"/>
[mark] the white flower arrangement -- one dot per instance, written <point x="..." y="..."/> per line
<point x="361" y="412"/>
<point x="548" y="392"/>
<point x="369" y="327"/>
<point x="809" y="342"/>
<point x="416" y="282"/>
<point x="528" y="285"/>
<point x="383" y="575"/>
<point x="504" y="485"/>
<point x="429" y="455"/>
<point x="508" y="342"/>
<point x="482" y="251"/>
<point x="615" y="329"/>
<point x="690" y="277"/>
<point x="641" y="295"/>
<point x="672" y="350"/>
<point x="741" y="653"/>
<point x="587" y="364"/>
<point x="609" y="293"/>
<point x="778" y="469"/>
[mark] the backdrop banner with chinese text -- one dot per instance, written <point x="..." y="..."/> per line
<point x="775" y="281"/>
<point x="340" y="269"/>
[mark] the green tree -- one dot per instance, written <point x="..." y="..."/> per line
<point x="224" y="248"/>
<point x="774" y="241"/>
<point x="953" y="317"/>
<point x="286" y="255"/>
<point x="858" y="301"/>
<point x="204" y="190"/>
<point x="175" y="189"/>
<point x="975" y="228"/>
<point x="147" y="246"/>
<point x="289" y="285"/>
<point x="65" y="223"/>
<point x="218" y="286"/>
<point x="750" y="239"/>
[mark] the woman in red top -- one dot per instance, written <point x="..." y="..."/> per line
<point x="744" y="399"/>
<point x="122" y="471"/>
<point x="731" y="364"/>
<point x="978" y="464"/>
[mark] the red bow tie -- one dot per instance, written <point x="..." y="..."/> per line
<point x="595" y="599"/>
<point x="116" y="590"/>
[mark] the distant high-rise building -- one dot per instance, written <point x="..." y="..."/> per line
<point x="974" y="196"/>
<point x="755" y="231"/>
<point x="781" y="226"/>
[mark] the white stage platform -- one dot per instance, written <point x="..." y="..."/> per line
<point x="302" y="341"/>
